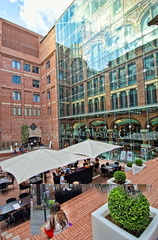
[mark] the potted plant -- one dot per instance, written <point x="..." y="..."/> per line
<point x="138" y="166"/>
<point x="125" y="217"/>
<point x="119" y="177"/>
<point x="50" y="204"/>
<point x="128" y="167"/>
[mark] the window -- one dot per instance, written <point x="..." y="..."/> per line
<point x="30" y="111"/>
<point x="133" y="101"/>
<point x="15" y="64"/>
<point x="16" y="79"/>
<point x="14" y="111"/>
<point x="116" y="6"/>
<point x="38" y="112"/>
<point x="48" y="80"/>
<point x="90" y="106"/>
<point x="34" y="111"/>
<point x="36" y="97"/>
<point x="26" y="111"/>
<point x="96" y="105"/>
<point x="47" y="64"/>
<point x="151" y="96"/>
<point x="16" y="95"/>
<point x="82" y="107"/>
<point x="35" y="69"/>
<point x="19" y="111"/>
<point x="102" y="103"/>
<point x="27" y="67"/>
<point x="114" y="101"/>
<point x="122" y="77"/>
<point x="35" y="83"/>
<point x="48" y="95"/>
<point x="123" y="100"/>
<point x="48" y="110"/>
<point x="131" y="73"/>
<point x="89" y="87"/>
<point x="149" y="70"/>
<point x="113" y="80"/>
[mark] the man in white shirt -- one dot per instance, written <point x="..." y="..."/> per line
<point x="62" y="178"/>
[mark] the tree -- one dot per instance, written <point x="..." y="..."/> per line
<point x="24" y="133"/>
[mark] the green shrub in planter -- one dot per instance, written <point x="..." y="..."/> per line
<point x="139" y="162"/>
<point x="129" y="164"/>
<point x="129" y="212"/>
<point x="120" y="177"/>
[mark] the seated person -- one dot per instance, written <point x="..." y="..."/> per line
<point x="85" y="163"/>
<point x="57" y="222"/>
<point x="62" y="178"/>
<point x="21" y="149"/>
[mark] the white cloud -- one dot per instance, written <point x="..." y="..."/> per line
<point x="40" y="15"/>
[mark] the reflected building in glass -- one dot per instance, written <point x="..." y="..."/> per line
<point x="107" y="74"/>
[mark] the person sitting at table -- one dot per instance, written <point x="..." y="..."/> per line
<point x="57" y="222"/>
<point x="62" y="178"/>
<point x="21" y="149"/>
<point x="85" y="163"/>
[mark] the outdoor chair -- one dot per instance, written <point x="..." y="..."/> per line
<point x="18" y="216"/>
<point x="12" y="181"/>
<point x="10" y="200"/>
<point x="3" y="187"/>
<point x="4" y="217"/>
<point x="22" y="195"/>
<point x="104" y="172"/>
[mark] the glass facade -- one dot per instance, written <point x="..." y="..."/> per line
<point x="107" y="68"/>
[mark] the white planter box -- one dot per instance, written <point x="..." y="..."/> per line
<point x="111" y="181"/>
<point x="136" y="169"/>
<point x="102" y="228"/>
<point x="127" y="169"/>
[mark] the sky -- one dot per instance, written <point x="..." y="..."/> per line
<point x="36" y="15"/>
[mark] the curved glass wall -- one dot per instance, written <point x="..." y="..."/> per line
<point x="107" y="65"/>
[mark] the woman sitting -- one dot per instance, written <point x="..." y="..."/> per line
<point x="57" y="222"/>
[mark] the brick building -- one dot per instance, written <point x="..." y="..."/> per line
<point x="93" y="75"/>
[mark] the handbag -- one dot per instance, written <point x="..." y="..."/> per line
<point x="50" y="232"/>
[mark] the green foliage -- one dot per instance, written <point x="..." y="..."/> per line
<point x="50" y="203"/>
<point x="120" y="177"/>
<point x="130" y="212"/>
<point x="129" y="164"/>
<point x="139" y="162"/>
<point x="24" y="133"/>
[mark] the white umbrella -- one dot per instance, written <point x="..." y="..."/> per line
<point x="90" y="148"/>
<point x="30" y="164"/>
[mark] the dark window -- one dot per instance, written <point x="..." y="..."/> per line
<point x="48" y="95"/>
<point x="47" y="64"/>
<point x="35" y="69"/>
<point x="48" y="79"/>
<point x="35" y="83"/>
<point x="123" y="100"/>
<point x="114" y="101"/>
<point x="133" y="101"/>
<point x="151" y="96"/>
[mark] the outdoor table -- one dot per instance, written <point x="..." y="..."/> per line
<point x="63" y="196"/>
<point x="82" y="175"/>
<point x="36" y="180"/>
<point x="14" y="205"/>
<point x="4" y="180"/>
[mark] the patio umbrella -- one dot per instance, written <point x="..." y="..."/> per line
<point x="90" y="148"/>
<point x="30" y="164"/>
